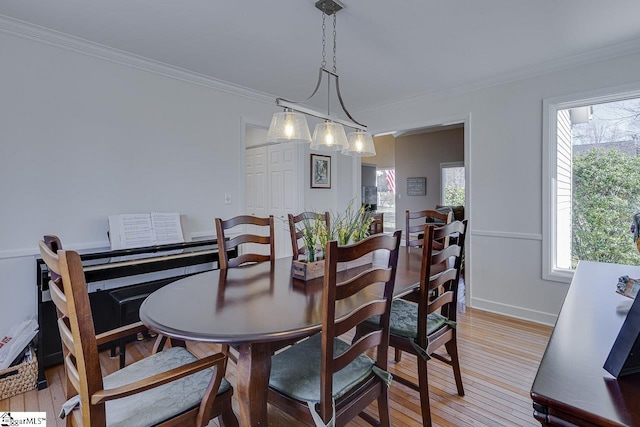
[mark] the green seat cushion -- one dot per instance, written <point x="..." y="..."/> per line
<point x="160" y="403"/>
<point x="404" y="319"/>
<point x="295" y="371"/>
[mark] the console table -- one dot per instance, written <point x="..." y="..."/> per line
<point x="107" y="265"/>
<point x="571" y="386"/>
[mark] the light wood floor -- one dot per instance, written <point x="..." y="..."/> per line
<point x="499" y="357"/>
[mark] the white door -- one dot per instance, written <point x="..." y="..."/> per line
<point x="283" y="191"/>
<point x="256" y="193"/>
<point x="256" y="181"/>
<point x="272" y="188"/>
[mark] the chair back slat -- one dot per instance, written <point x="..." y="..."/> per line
<point x="248" y="238"/>
<point x="361" y="281"/>
<point x="439" y="301"/>
<point x="295" y="230"/>
<point x="58" y="297"/>
<point x="66" y="335"/>
<point x="72" y="371"/>
<point x="247" y="258"/>
<point x="336" y="296"/>
<point x="445" y="254"/>
<point x="361" y="346"/>
<point x="442" y="278"/>
<point x="226" y="244"/>
<point x="359" y="315"/>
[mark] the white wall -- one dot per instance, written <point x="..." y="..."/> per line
<point x="82" y="138"/>
<point x="504" y="161"/>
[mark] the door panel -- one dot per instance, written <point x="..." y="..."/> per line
<point x="272" y="188"/>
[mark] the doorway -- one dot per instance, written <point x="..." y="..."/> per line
<point x="272" y="184"/>
<point x="386" y="183"/>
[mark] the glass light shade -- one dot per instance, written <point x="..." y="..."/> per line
<point x="360" y="144"/>
<point x="329" y="136"/>
<point x="288" y="126"/>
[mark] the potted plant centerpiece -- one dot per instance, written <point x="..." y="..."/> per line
<point x="348" y="227"/>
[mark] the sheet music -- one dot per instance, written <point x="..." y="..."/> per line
<point x="167" y="227"/>
<point x="136" y="230"/>
<point x="139" y="230"/>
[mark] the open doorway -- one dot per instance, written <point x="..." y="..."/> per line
<point x="434" y="156"/>
<point x="386" y="184"/>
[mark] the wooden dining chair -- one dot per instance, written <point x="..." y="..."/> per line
<point x="422" y="328"/>
<point x="295" y="230"/>
<point x="415" y="221"/>
<point x="227" y="243"/>
<point x="168" y="388"/>
<point x="377" y="225"/>
<point x="323" y="378"/>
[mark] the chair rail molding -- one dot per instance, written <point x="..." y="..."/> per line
<point x="30" y="252"/>
<point x="507" y="234"/>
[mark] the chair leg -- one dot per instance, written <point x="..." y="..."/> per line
<point x="228" y="418"/>
<point x="121" y="342"/>
<point x="452" y="349"/>
<point x="383" y="408"/>
<point x="423" y="383"/>
<point x="398" y="355"/>
<point x="226" y="350"/>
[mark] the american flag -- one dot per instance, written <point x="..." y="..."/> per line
<point x="391" y="180"/>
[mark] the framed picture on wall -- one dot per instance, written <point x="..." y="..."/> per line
<point x="320" y="171"/>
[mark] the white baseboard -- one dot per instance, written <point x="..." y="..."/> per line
<point x="514" y="311"/>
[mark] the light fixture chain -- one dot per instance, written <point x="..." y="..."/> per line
<point x="335" y="14"/>
<point x="323" y="64"/>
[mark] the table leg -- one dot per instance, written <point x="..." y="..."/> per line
<point x="252" y="382"/>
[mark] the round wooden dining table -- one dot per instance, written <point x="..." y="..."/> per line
<point x="251" y="308"/>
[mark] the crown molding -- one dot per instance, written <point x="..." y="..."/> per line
<point x="596" y="55"/>
<point x="54" y="38"/>
<point x="29" y="31"/>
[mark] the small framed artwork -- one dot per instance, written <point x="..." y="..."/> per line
<point x="417" y="186"/>
<point x="320" y="171"/>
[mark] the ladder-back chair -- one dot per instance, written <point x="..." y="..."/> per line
<point x="323" y="379"/>
<point x="296" y="232"/>
<point x="168" y="388"/>
<point x="226" y="243"/>
<point x="422" y="328"/>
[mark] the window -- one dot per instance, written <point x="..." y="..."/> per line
<point x="452" y="181"/>
<point x="591" y="174"/>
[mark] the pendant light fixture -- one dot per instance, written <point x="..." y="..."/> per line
<point x="329" y="135"/>
<point x="360" y="144"/>
<point x="288" y="126"/>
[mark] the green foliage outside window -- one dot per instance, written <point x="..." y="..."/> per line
<point x="606" y="195"/>
<point x="453" y="195"/>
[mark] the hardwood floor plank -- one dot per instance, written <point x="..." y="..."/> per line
<point x="31" y="401"/>
<point x="499" y="358"/>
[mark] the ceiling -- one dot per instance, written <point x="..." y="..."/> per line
<point x="387" y="50"/>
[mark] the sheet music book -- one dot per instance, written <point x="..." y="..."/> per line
<point x="148" y="229"/>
